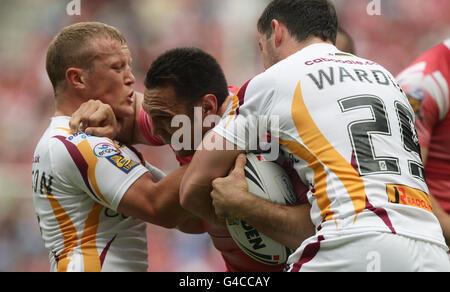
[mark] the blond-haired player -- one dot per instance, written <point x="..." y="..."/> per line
<point x="92" y="194"/>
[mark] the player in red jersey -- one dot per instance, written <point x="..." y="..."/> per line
<point x="426" y="83"/>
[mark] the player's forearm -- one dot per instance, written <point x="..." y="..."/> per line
<point x="166" y="199"/>
<point x="156" y="203"/>
<point x="194" y="197"/>
<point x="288" y="225"/>
<point x="206" y="166"/>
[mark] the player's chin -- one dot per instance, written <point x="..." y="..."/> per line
<point x="124" y="111"/>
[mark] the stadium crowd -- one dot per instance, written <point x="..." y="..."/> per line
<point x="225" y="29"/>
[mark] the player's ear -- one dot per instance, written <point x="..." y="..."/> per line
<point x="209" y="105"/>
<point x="75" y="78"/>
<point x="278" y="30"/>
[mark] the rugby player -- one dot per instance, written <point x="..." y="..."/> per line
<point x="347" y="128"/>
<point x="92" y="194"/>
<point x="426" y="83"/>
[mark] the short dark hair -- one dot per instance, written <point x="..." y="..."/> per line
<point x="192" y="72"/>
<point x="303" y="18"/>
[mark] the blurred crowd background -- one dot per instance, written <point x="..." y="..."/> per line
<point x="224" y="28"/>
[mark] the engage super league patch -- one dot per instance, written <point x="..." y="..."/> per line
<point x="105" y="149"/>
<point x="124" y="164"/>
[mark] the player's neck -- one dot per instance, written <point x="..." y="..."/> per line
<point x="293" y="46"/>
<point x="67" y="104"/>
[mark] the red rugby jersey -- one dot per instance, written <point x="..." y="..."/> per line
<point x="426" y="82"/>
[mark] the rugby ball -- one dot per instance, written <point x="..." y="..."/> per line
<point x="269" y="181"/>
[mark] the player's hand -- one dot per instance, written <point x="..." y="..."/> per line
<point x="229" y="193"/>
<point x="95" y="118"/>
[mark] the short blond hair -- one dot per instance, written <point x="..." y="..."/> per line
<point x="72" y="47"/>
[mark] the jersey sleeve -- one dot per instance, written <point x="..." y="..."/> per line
<point x="145" y="126"/>
<point x="95" y="166"/>
<point x="246" y="121"/>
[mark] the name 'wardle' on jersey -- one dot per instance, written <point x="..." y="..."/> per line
<point x="348" y="130"/>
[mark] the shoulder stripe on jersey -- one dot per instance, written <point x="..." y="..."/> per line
<point x="91" y="159"/>
<point x="320" y="188"/>
<point x="241" y="95"/>
<point x="233" y="109"/>
<point x="65" y="129"/>
<point x="92" y="262"/>
<point x="68" y="232"/>
<point x="321" y="148"/>
<point x="81" y="164"/>
<point x="238" y="101"/>
<point x="115" y="145"/>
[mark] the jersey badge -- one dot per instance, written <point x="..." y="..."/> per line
<point x="124" y="164"/>
<point x="105" y="150"/>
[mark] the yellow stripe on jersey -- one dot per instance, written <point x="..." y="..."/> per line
<point x="319" y="176"/>
<point x="91" y="160"/>
<point x="233" y="109"/>
<point x="88" y="240"/>
<point x="68" y="232"/>
<point x="115" y="145"/>
<point x="65" y="129"/>
<point x="322" y="150"/>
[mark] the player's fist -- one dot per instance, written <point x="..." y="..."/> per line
<point x="95" y="118"/>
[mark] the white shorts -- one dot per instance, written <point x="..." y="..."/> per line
<point x="368" y="252"/>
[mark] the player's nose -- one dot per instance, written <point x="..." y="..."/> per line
<point x="129" y="78"/>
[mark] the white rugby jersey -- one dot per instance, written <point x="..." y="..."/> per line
<point x="78" y="182"/>
<point x="348" y="130"/>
